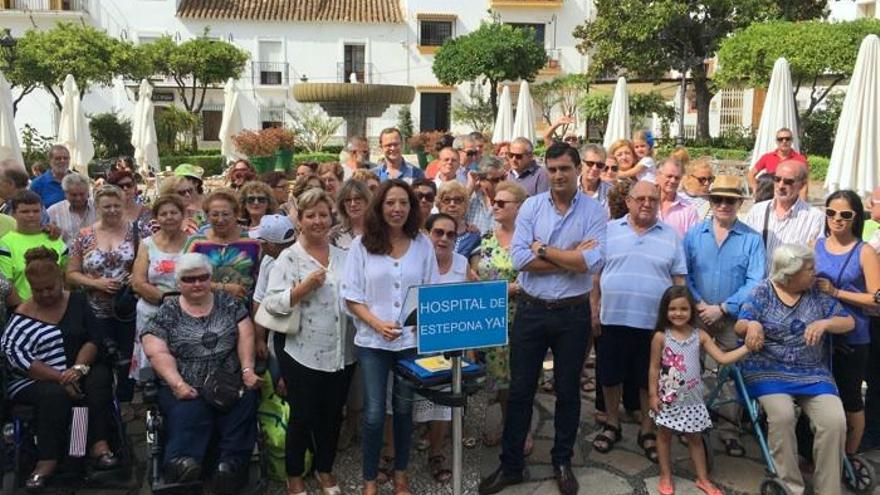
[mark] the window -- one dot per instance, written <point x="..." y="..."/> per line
<point x="272" y="116"/>
<point x="270" y="67"/>
<point x="434" y="33"/>
<point x="434" y="112"/>
<point x="211" y="120"/>
<point x="538" y="28"/>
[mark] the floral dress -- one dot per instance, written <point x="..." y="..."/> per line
<point x="115" y="264"/>
<point x="234" y="263"/>
<point x="496" y="264"/>
<point x="681" y="386"/>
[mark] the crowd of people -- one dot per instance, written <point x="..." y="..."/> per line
<point x="646" y="262"/>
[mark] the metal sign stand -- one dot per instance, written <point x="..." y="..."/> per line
<point x="457" y="429"/>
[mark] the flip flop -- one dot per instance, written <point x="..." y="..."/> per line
<point x="708" y="488"/>
<point x="665" y="487"/>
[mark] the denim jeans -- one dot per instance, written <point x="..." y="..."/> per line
<point x="375" y="365"/>
<point x="566" y="331"/>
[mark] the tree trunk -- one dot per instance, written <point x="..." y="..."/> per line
<point x="704" y="97"/>
<point x="493" y="96"/>
<point x="54" y="95"/>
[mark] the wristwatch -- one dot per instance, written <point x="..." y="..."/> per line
<point x="542" y="251"/>
<point x="82" y="368"/>
<point x="877" y="297"/>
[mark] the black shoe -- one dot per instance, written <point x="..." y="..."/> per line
<point x="565" y="480"/>
<point x="498" y="481"/>
<point x="226" y="478"/>
<point x="182" y="470"/>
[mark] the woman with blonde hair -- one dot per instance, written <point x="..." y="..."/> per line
<point x="696" y="183"/>
<point x="624" y="154"/>
<point x="194" y="215"/>
<point x="255" y="200"/>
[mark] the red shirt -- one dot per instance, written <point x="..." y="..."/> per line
<point x="771" y="160"/>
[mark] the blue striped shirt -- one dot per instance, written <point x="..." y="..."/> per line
<point x="638" y="269"/>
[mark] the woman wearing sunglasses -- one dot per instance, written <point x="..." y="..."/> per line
<point x="452" y="199"/>
<point x="134" y="211"/>
<point x="194" y="215"/>
<point x="195" y="335"/>
<point x="849" y="270"/>
<point x="592" y="166"/>
<point x="255" y="200"/>
<point x="696" y="183"/>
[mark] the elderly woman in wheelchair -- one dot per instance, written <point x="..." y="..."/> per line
<point x="51" y="346"/>
<point x="201" y="346"/>
<point x="786" y="322"/>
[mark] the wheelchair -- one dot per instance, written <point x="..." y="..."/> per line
<point x="20" y="454"/>
<point x="256" y="476"/>
<point x="858" y="473"/>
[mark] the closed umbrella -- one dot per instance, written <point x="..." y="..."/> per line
<point x="230" y="123"/>
<point x="779" y="111"/>
<point x="618" y="119"/>
<point x="143" y="131"/>
<point x="504" y="121"/>
<point x="9" y="148"/>
<point x="524" y="123"/>
<point x="855" y="159"/>
<point x="73" y="128"/>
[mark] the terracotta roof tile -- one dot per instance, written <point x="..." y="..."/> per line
<point x="363" y="11"/>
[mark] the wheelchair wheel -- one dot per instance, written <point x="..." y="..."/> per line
<point x="863" y="476"/>
<point x="772" y="486"/>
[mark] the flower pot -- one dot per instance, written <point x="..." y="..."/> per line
<point x="424" y="159"/>
<point x="263" y="163"/>
<point x="284" y="160"/>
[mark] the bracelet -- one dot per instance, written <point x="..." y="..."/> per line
<point x="245" y="370"/>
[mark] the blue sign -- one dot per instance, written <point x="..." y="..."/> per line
<point x="453" y="317"/>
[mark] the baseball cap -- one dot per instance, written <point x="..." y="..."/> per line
<point x="189" y="170"/>
<point x="277" y="229"/>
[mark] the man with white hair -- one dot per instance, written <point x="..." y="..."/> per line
<point x="524" y="170"/>
<point x="48" y="185"/>
<point x="358" y="150"/>
<point x="468" y="153"/>
<point x="675" y="211"/>
<point x="77" y="211"/>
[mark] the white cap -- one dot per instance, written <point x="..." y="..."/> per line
<point x="277" y="229"/>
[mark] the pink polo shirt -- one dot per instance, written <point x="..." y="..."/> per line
<point x="681" y="216"/>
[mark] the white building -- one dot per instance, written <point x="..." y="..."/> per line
<point x="376" y="41"/>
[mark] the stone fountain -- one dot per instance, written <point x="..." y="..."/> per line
<point x="354" y="102"/>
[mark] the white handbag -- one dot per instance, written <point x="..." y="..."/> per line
<point x="289" y="323"/>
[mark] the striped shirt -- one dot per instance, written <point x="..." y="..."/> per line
<point x="26" y="340"/>
<point x="801" y="224"/>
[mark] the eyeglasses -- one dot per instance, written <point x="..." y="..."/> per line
<point x="440" y="233"/>
<point x="592" y="164"/>
<point x="186" y="192"/>
<point x="501" y="203"/>
<point x="786" y="181"/>
<point x="256" y="199"/>
<point x="612" y="168"/>
<point x="780" y="139"/>
<point x="517" y="156"/>
<point x="645" y="199"/>
<point x="452" y="201"/>
<point x="429" y="197"/>
<point x="192" y="279"/>
<point x="844" y="214"/>
<point x="125" y="185"/>
<point x="471" y="152"/>
<point x="493" y="180"/>
<point x="704" y="180"/>
<point x="726" y="200"/>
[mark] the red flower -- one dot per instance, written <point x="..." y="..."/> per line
<point x="165" y="266"/>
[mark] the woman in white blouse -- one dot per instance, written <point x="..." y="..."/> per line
<point x="382" y="265"/>
<point x="317" y="362"/>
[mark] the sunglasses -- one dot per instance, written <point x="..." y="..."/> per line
<point x="570" y="139"/>
<point x="125" y="185"/>
<point x="192" y="279"/>
<point x="429" y="197"/>
<point x="452" y="201"/>
<point x="844" y="214"/>
<point x="471" y="152"/>
<point x="440" y="233"/>
<point x="186" y="192"/>
<point x="726" y="200"/>
<point x="501" y="203"/>
<point x="783" y="138"/>
<point x="592" y="164"/>
<point x="612" y="168"/>
<point x="787" y="182"/>
<point x="518" y="156"/>
<point x="257" y="199"/>
<point x="704" y="180"/>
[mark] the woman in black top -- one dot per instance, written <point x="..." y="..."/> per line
<point x="51" y="344"/>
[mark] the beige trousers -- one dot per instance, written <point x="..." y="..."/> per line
<point x="828" y="423"/>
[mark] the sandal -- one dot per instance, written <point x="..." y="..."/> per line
<point x="106" y="461"/>
<point x="36" y="482"/>
<point x="386" y="469"/>
<point x="604" y="442"/>
<point x="733" y="448"/>
<point x="650" y="451"/>
<point x="665" y="487"/>
<point x="469" y="442"/>
<point x="708" y="488"/>
<point x="439" y="471"/>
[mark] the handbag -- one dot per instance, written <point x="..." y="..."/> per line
<point x="222" y="389"/>
<point x="288" y="324"/>
<point x="125" y="299"/>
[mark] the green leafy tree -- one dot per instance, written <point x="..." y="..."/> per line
<point x="820" y="126"/>
<point x="821" y="55"/>
<point x="495" y="52"/>
<point x="562" y="93"/>
<point x="477" y="113"/>
<point x="111" y="135"/>
<point x="649" y="39"/>
<point x="175" y="127"/>
<point x="595" y="108"/>
<point x="13" y="71"/>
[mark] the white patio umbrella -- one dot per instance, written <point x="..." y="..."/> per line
<point x="779" y="111"/>
<point x="143" y="131"/>
<point x="524" y="123"/>
<point x="504" y="120"/>
<point x="73" y="128"/>
<point x="230" y="123"/>
<point x="9" y="148"/>
<point x="619" y="126"/>
<point x="855" y="159"/>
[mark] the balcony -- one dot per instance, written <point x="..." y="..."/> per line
<point x="526" y="4"/>
<point x="269" y="73"/>
<point x="553" y="66"/>
<point x="354" y="72"/>
<point x="46" y="6"/>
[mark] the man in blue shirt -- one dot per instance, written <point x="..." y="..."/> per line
<point x="392" y="165"/>
<point x="725" y="259"/>
<point x="48" y="185"/>
<point x="557" y="246"/>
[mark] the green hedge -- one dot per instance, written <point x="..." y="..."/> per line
<point x="818" y="167"/>
<point x="214" y="164"/>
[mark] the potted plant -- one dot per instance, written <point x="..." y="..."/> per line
<point x="284" y="140"/>
<point x="259" y="148"/>
<point x="423" y="144"/>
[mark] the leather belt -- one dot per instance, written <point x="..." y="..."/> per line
<point x="554" y="303"/>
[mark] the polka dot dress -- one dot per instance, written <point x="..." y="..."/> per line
<point x="681" y="387"/>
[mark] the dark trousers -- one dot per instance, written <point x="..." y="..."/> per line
<point x="53" y="411"/>
<point x="122" y="333"/>
<point x="566" y="331"/>
<point x="191" y="424"/>
<point x="872" y="396"/>
<point x="316" y="399"/>
<point x="631" y="401"/>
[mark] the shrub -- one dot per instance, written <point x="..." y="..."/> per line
<point x="111" y="135"/>
<point x="255" y="143"/>
<point x="175" y="129"/>
<point x="319" y="157"/>
<point x="34" y="146"/>
<point x="818" y="167"/>
<point x="313" y="127"/>
<point x="820" y="127"/>
<point x="213" y="164"/>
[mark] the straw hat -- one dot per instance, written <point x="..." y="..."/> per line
<point x="727" y="185"/>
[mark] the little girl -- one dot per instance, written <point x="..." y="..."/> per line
<point x="675" y="388"/>
<point x="643" y="143"/>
